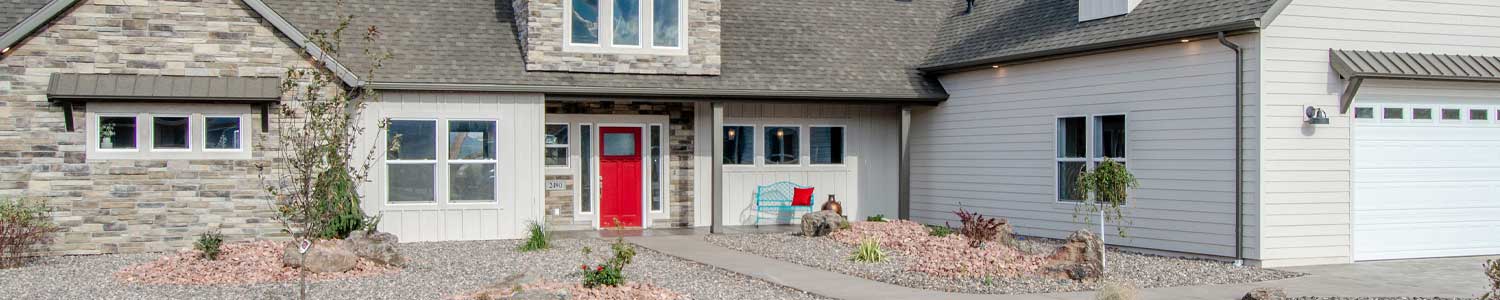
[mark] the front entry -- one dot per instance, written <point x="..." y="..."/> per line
<point x="620" y="169"/>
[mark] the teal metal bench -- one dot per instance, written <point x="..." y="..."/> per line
<point x="776" y="198"/>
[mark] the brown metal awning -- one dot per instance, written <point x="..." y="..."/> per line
<point x="67" y="89"/>
<point x="1356" y="66"/>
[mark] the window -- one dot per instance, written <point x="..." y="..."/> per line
<point x="1369" y="113"/>
<point x="1421" y="114"/>
<point x="1479" y="114"/>
<point x="1452" y="114"/>
<point x="827" y="145"/>
<point x="782" y="145"/>
<point x="625" y="26"/>
<point x="1394" y="113"/>
<point x="411" y="159"/>
<point x="1083" y="143"/>
<point x="656" y="168"/>
<point x="471" y="161"/>
<point x="619" y="144"/>
<point x="557" y="145"/>
<point x="739" y="145"/>
<point x="221" y="133"/>
<point x="116" y="133"/>
<point x="170" y="133"/>
<point x="586" y="181"/>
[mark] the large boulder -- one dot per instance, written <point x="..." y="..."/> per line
<point x="1265" y="293"/>
<point x="324" y="256"/>
<point x="1078" y="259"/>
<point x="379" y="247"/>
<point x="822" y="223"/>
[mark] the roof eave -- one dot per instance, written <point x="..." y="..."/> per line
<point x="286" y="28"/>
<point x="1237" y="26"/>
<point x="698" y="94"/>
<point x="31" y="23"/>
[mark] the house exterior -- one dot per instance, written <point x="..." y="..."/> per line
<point x="144" y="122"/>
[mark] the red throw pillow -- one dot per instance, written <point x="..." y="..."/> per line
<point x="802" y="197"/>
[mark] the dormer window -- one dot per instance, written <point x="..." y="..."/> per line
<point x="617" y="26"/>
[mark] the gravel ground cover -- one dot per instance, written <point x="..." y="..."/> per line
<point x="437" y="270"/>
<point x="1139" y="270"/>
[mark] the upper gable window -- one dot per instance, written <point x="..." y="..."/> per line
<point x="625" y="26"/>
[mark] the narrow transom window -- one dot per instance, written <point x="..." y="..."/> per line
<point x="657" y="198"/>
<point x="739" y="145"/>
<point x="827" y="145"/>
<point x="782" y="145"/>
<point x="586" y="168"/>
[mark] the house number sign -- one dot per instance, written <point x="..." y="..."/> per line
<point x="557" y="185"/>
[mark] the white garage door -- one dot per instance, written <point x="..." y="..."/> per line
<point x="1426" y="179"/>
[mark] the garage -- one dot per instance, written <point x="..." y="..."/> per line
<point x="1426" y="175"/>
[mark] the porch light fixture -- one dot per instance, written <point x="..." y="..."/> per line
<point x="1314" y="115"/>
<point x="1186" y="40"/>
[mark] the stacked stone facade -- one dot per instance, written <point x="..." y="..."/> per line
<point x="125" y="206"/>
<point x="539" y="24"/>
<point x="680" y="160"/>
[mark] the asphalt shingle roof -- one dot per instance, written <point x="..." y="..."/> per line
<point x="999" y="29"/>
<point x="837" y="46"/>
<point x="13" y="11"/>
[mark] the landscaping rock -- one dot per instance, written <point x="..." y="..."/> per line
<point x="1265" y="294"/>
<point x="379" y="247"/>
<point x="1078" y="259"/>
<point x="822" y="223"/>
<point x="323" y="257"/>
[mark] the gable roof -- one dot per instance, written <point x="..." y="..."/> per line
<point x="792" y="49"/>
<point x="13" y="11"/>
<point x="1000" y="31"/>
<point x="18" y="18"/>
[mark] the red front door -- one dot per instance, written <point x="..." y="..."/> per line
<point x="620" y="165"/>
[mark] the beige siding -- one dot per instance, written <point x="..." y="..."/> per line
<point x="991" y="148"/>
<point x="865" y="184"/>
<point x="518" y="152"/>
<point x="1307" y="169"/>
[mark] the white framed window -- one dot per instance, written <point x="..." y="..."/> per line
<point x="739" y="144"/>
<point x="783" y="145"/>
<point x="1082" y="143"/>
<point x="557" y="145"/>
<point x="656" y="152"/>
<point x="625" y="26"/>
<point x="168" y="131"/>
<point x="826" y="145"/>
<point x="585" y="179"/>
<point x="411" y="161"/>
<point x="471" y="162"/>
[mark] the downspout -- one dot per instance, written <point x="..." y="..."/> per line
<point x="1239" y="145"/>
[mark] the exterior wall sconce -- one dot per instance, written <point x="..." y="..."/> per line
<point x="1314" y="115"/>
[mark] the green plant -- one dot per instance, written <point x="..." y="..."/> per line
<point x="536" y="239"/>
<point x="939" y="231"/>
<point x="1106" y="188"/>
<point x="1115" y="291"/>
<point x="612" y="271"/>
<point x="875" y="218"/>
<point x="1492" y="270"/>
<point x="868" y="251"/>
<point x="988" y="281"/>
<point x="24" y="225"/>
<point x="208" y="245"/>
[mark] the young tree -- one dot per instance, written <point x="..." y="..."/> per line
<point x="315" y="177"/>
<point x="1105" y="189"/>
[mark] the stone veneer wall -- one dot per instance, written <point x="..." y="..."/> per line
<point x="540" y="26"/>
<point x="124" y="206"/>
<point x="680" y="160"/>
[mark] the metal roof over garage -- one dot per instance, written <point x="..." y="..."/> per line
<point x="1356" y="66"/>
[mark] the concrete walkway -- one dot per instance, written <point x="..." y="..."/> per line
<point x="1448" y="277"/>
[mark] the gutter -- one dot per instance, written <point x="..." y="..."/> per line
<point x="32" y="23"/>
<point x="1088" y="48"/>
<point x="1239" y="147"/>
<point x="715" y="94"/>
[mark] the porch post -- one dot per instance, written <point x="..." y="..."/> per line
<point x="903" y="202"/>
<point x="716" y="126"/>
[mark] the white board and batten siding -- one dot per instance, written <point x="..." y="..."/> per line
<point x="866" y="184"/>
<point x="518" y="171"/>
<point x="1308" y="172"/>
<point x="992" y="146"/>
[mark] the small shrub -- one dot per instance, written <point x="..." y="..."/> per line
<point x="1115" y="291"/>
<point x="868" y="251"/>
<point x="208" y="245"/>
<point x="24" y="225"/>
<point x="1492" y="270"/>
<point x="875" y="218"/>
<point x="939" y="231"/>
<point x="978" y="228"/>
<point x="611" y="272"/>
<point x="537" y="239"/>
<point x="845" y="226"/>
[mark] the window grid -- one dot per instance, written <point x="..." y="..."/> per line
<point x="560" y="146"/>
<point x="1094" y="139"/>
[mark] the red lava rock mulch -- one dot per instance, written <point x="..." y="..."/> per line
<point x="948" y="256"/>
<point x="628" y="291"/>
<point x="238" y="263"/>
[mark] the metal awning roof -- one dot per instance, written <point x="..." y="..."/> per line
<point x="1356" y="66"/>
<point x="69" y="88"/>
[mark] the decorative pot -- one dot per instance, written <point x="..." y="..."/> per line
<point x="833" y="205"/>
